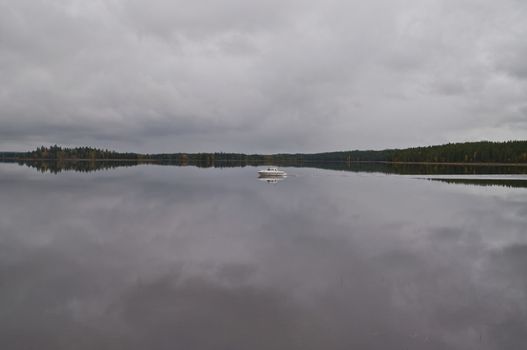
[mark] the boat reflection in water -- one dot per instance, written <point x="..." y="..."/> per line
<point x="272" y="180"/>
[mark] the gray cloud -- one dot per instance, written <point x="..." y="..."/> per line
<point x="268" y="76"/>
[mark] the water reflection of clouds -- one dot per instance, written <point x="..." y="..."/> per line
<point x="206" y="259"/>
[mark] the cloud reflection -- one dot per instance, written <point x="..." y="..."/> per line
<point x="151" y="257"/>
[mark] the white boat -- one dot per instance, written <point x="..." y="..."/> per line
<point x="271" y="172"/>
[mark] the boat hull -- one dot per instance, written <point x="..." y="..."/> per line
<point x="271" y="173"/>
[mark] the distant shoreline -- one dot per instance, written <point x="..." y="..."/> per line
<point x="476" y="154"/>
<point x="483" y="164"/>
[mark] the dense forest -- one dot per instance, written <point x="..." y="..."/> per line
<point x="469" y="152"/>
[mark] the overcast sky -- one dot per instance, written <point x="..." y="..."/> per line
<point x="261" y="76"/>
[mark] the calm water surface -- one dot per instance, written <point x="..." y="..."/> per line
<point x="155" y="257"/>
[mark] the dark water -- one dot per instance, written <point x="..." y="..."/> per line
<point x="153" y="257"/>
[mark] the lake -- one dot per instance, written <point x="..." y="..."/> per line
<point x="168" y="257"/>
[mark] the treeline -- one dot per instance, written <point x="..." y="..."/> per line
<point x="468" y="152"/>
<point x="57" y="153"/>
<point x="209" y="159"/>
<point x="6" y="156"/>
<point x="60" y="154"/>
